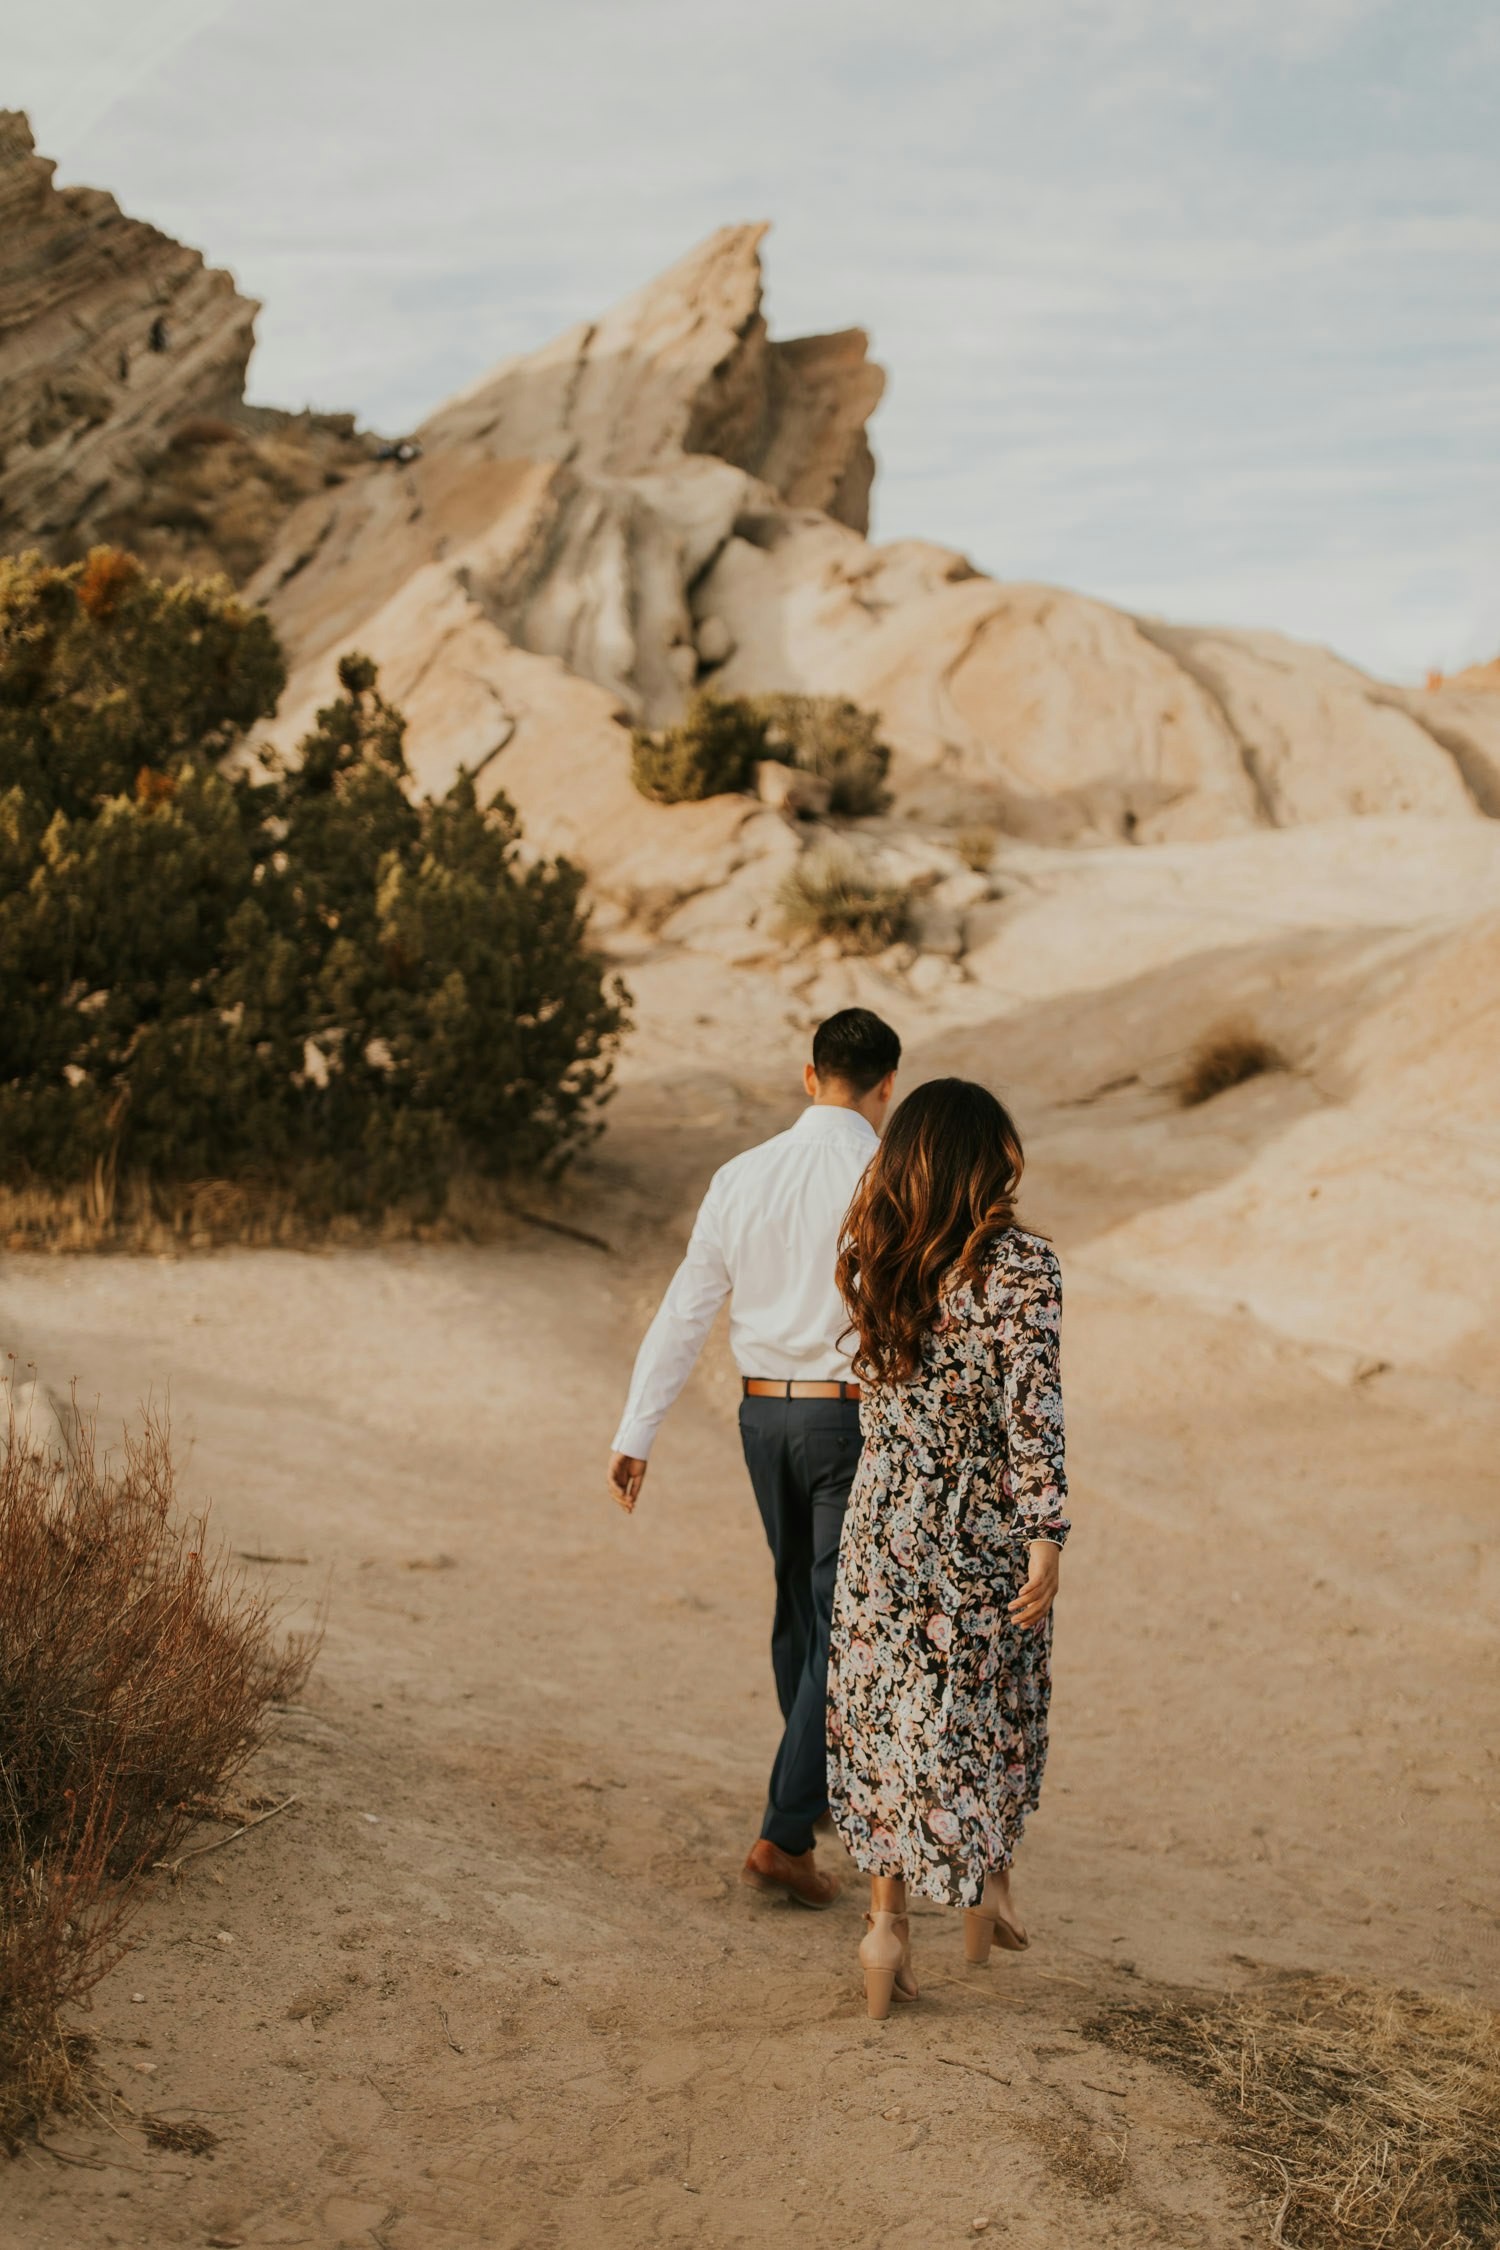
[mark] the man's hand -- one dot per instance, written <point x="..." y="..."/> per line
<point x="626" y="1476"/>
<point x="1040" y="1590"/>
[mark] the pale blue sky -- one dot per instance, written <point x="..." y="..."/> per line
<point x="1191" y="304"/>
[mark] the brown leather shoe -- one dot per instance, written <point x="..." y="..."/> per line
<point x="770" y="1869"/>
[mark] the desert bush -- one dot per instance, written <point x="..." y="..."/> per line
<point x="713" y="752"/>
<point x="830" y="893"/>
<point x="1371" y="2117"/>
<point x="61" y="1918"/>
<point x="305" y="979"/>
<point x="976" y="848"/>
<point x="136" y="1677"/>
<point x="717" y="747"/>
<point x="106" y="674"/>
<point x="835" y="739"/>
<point x="1224" y="1059"/>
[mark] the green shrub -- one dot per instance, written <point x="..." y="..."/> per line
<point x="105" y="674"/>
<point x="830" y="894"/>
<point x="718" y="745"/>
<point x="713" y="752"/>
<point x="309" y="979"/>
<point x="828" y="736"/>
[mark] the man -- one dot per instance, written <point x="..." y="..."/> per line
<point x="766" y="1238"/>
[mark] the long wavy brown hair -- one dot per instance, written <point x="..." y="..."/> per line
<point x="938" y="1191"/>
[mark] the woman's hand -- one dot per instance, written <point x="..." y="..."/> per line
<point x="1038" y="1594"/>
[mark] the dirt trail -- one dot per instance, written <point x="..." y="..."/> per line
<point x="492" y="1981"/>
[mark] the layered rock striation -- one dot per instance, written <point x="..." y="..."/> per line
<point x="668" y="498"/>
<point x="111" y="335"/>
<point x="686" y="366"/>
<point x="122" y="379"/>
<point x="664" y="498"/>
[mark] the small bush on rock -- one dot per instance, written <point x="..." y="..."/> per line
<point x="718" y="745"/>
<point x="829" y="893"/>
<point x="1225" y="1059"/>
<point x="712" y="753"/>
<point x="976" y="848"/>
<point x="835" y="739"/>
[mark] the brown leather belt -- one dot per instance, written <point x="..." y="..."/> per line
<point x="757" y="1386"/>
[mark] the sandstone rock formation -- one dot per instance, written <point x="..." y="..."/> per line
<point x="575" y="496"/>
<point x="659" y="498"/>
<point x="686" y="366"/>
<point x="122" y="376"/>
<point x="1473" y="676"/>
<point x="662" y="497"/>
<point x="667" y="497"/>
<point x="110" y="335"/>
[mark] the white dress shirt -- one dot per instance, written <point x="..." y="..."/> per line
<point x="766" y="1236"/>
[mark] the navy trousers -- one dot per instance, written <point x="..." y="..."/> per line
<point x="802" y="1454"/>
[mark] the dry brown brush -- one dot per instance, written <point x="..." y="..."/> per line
<point x="137" y="1673"/>
<point x="1226" y="1058"/>
<point x="830" y="893"/>
<point x="165" y="1219"/>
<point x="1370" y="2116"/>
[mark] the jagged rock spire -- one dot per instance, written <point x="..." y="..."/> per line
<point x="686" y="365"/>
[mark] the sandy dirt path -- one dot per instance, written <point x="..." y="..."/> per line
<point x="492" y="1980"/>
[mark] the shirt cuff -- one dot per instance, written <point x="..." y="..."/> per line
<point x="636" y="1439"/>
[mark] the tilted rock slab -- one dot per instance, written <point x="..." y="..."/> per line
<point x="666" y="498"/>
<point x="111" y="334"/>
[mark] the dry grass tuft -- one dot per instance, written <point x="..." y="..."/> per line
<point x="976" y="847"/>
<point x="830" y="894"/>
<point x="1086" y="2161"/>
<point x="1372" y="2116"/>
<point x="185" y="2136"/>
<point x="137" y="1672"/>
<point x="141" y="1217"/>
<point x="1226" y="1058"/>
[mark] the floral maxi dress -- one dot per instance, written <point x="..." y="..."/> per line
<point x="937" y="1701"/>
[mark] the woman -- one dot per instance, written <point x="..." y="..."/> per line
<point x="942" y="1621"/>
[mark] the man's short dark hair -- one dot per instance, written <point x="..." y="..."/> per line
<point x="856" y="1048"/>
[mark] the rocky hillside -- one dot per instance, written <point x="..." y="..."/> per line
<point x="122" y="379"/>
<point x="661" y="498"/>
<point x="1279" y="848"/>
<point x="665" y="498"/>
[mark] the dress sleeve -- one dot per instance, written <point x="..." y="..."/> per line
<point x="1030" y="1308"/>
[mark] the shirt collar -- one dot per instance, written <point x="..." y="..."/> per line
<point x="825" y="1121"/>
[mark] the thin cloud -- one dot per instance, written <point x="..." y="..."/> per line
<point x="1171" y="297"/>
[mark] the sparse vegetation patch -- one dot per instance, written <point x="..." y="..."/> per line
<point x="716" y="748"/>
<point x="830" y="893"/>
<point x="137" y="1674"/>
<point x="712" y="753"/>
<point x="1370" y="2117"/>
<point x="828" y="736"/>
<point x="1226" y="1058"/>
<point x="976" y="848"/>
